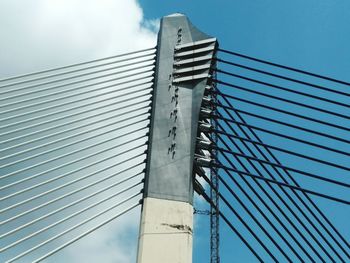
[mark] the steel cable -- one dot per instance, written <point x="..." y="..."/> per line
<point x="77" y="201"/>
<point x="73" y="227"/>
<point x="290" y="68"/>
<point x="77" y="64"/>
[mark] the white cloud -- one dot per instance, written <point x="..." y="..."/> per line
<point x="110" y="244"/>
<point x="40" y="34"/>
<point x="36" y="34"/>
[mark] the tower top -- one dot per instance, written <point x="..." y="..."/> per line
<point x="175" y="14"/>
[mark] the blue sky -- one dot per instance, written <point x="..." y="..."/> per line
<point x="311" y="35"/>
<point x="306" y="34"/>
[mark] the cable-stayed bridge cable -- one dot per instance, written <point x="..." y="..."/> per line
<point x="86" y="68"/>
<point x="80" y="93"/>
<point x="69" y="122"/>
<point x="282" y="166"/>
<point x="286" y="185"/>
<point x="75" y="101"/>
<point x="79" y="199"/>
<point x="64" y="110"/>
<point x="65" y="138"/>
<point x="70" y="216"/>
<point x="69" y="193"/>
<point x="267" y="148"/>
<point x="289" y="79"/>
<point x="60" y="91"/>
<point x="283" y="99"/>
<point x="291" y="138"/>
<point x="268" y="207"/>
<point x="292" y="125"/>
<point x="290" y="68"/>
<point x="85" y="80"/>
<point x="274" y="147"/>
<point x="77" y="64"/>
<point x="78" y="76"/>
<point x="61" y="156"/>
<point x="280" y="198"/>
<point x="73" y="227"/>
<point x="335" y="199"/>
<point x="225" y="95"/>
<point x="66" y="174"/>
<point x="231" y="226"/>
<point x="251" y="216"/>
<point x="74" y="122"/>
<point x="254" y="218"/>
<point x="86" y="233"/>
<point x="45" y="108"/>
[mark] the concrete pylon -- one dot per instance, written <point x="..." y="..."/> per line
<point x="183" y="68"/>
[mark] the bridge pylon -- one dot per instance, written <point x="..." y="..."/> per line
<point x="183" y="71"/>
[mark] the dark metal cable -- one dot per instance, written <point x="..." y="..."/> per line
<point x="302" y="247"/>
<point x="256" y="206"/>
<point x="77" y="64"/>
<point x="297" y="184"/>
<point x="290" y="68"/>
<point x="283" y="167"/>
<point x="86" y="68"/>
<point x="248" y="228"/>
<point x="269" y="252"/>
<point x="278" y="149"/>
<point x="286" y="78"/>
<point x="283" y="179"/>
<point x="220" y="165"/>
<point x="207" y="198"/>
<point x="290" y="138"/>
<point x="268" y="207"/>
<point x="254" y="218"/>
<point x="282" y="99"/>
<point x="278" y="195"/>
<point x="285" y="89"/>
<point x="291" y="125"/>
<point x="225" y="95"/>
<point x="263" y="214"/>
<point x="283" y="201"/>
<point x="275" y="204"/>
<point x="311" y="200"/>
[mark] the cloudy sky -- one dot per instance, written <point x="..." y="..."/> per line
<point x="40" y="34"/>
<point x="37" y="34"/>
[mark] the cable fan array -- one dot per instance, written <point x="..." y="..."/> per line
<point x="279" y="139"/>
<point x="73" y="151"/>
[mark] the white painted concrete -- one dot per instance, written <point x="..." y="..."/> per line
<point x="165" y="232"/>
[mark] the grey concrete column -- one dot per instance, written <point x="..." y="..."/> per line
<point x="184" y="59"/>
